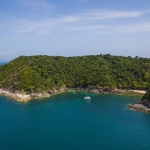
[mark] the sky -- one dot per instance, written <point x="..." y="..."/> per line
<point x="74" y="28"/>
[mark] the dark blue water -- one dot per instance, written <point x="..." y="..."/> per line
<point x="68" y="122"/>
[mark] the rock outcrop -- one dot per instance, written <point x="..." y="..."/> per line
<point x="139" y="107"/>
<point x="143" y="105"/>
<point x="18" y="96"/>
<point x="23" y="97"/>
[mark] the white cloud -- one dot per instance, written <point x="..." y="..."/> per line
<point x="101" y="15"/>
<point x="95" y="20"/>
<point x="140" y="27"/>
<point x="85" y="27"/>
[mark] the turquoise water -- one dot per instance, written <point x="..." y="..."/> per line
<point x="68" y="122"/>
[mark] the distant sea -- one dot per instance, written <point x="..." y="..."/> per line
<point x="1" y="63"/>
<point x="68" y="122"/>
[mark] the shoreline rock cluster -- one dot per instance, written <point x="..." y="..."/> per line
<point x="139" y="107"/>
<point x="23" y="97"/>
<point x="18" y="96"/>
<point x="143" y="105"/>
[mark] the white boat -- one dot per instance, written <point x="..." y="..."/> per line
<point x="87" y="97"/>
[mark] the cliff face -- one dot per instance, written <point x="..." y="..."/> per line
<point x="143" y="105"/>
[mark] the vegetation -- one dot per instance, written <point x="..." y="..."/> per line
<point x="146" y="96"/>
<point x="43" y="73"/>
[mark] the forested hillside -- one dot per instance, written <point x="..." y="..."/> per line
<point x="42" y="73"/>
<point x="146" y="96"/>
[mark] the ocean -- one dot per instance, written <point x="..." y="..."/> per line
<point x="1" y="63"/>
<point x="68" y="122"/>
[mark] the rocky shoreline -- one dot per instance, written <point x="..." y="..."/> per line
<point x="23" y="97"/>
<point x="143" y="106"/>
<point x="18" y="96"/>
<point x="111" y="91"/>
<point x="139" y="107"/>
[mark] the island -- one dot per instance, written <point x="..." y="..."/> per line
<point x="32" y="77"/>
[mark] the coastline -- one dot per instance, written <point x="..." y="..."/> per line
<point x="138" y="91"/>
<point x="143" y="106"/>
<point x="18" y="96"/>
<point x="139" y="107"/>
<point x="23" y="97"/>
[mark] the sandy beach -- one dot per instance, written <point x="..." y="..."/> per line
<point x="138" y="91"/>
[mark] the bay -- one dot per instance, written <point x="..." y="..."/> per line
<point x="67" y="121"/>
